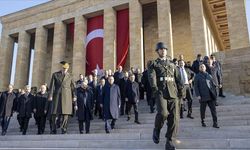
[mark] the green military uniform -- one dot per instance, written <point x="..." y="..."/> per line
<point x="164" y="79"/>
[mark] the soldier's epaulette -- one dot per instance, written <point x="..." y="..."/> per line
<point x="150" y="63"/>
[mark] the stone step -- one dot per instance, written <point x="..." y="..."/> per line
<point x="131" y="144"/>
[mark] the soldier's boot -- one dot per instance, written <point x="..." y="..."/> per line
<point x="169" y="145"/>
<point x="156" y="136"/>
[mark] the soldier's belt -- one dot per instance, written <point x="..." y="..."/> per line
<point x="168" y="79"/>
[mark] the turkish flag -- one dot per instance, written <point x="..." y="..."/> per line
<point x="122" y="36"/>
<point x="94" y="43"/>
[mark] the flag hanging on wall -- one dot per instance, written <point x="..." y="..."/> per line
<point x="94" y="43"/>
<point x="122" y="36"/>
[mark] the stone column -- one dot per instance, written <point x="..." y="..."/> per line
<point x="109" y="41"/>
<point x="59" y="46"/>
<point x="198" y="27"/>
<point x="165" y="24"/>
<point x="23" y="60"/>
<point x="6" y="51"/>
<point x="136" y="54"/>
<point x="39" y="66"/>
<point x="79" y="50"/>
<point x="237" y="23"/>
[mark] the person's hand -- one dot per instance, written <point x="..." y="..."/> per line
<point x="119" y="106"/>
<point x="101" y="105"/>
<point x="190" y="81"/>
<point x="76" y="108"/>
<point x="74" y="99"/>
<point x="45" y="111"/>
<point x="34" y="110"/>
<point x="154" y="91"/>
<point x="220" y="86"/>
<point x="199" y="98"/>
<point x="50" y="98"/>
<point x="126" y="99"/>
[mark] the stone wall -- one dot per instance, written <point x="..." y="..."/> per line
<point x="236" y="70"/>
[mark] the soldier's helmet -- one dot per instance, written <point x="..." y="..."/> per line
<point x="160" y="45"/>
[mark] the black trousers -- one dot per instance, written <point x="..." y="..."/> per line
<point x="41" y="121"/>
<point x="211" y="105"/>
<point x="141" y="91"/>
<point x="81" y="126"/>
<point x="166" y="110"/>
<point x="135" y="106"/>
<point x="122" y="108"/>
<point x="98" y="109"/>
<point x="5" y="123"/>
<point x="24" y="124"/>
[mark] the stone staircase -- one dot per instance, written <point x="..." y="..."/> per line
<point x="233" y="118"/>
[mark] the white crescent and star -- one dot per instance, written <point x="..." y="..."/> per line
<point x="98" y="33"/>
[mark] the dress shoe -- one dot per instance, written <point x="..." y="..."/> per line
<point x="137" y="122"/>
<point x="169" y="145"/>
<point x="156" y="136"/>
<point x="3" y="133"/>
<point x="81" y="132"/>
<point x="107" y="131"/>
<point x="189" y="116"/>
<point x="128" y="119"/>
<point x="223" y="96"/>
<point x="216" y="126"/>
<point x="203" y="124"/>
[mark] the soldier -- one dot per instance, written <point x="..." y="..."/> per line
<point x="165" y="81"/>
<point x="62" y="94"/>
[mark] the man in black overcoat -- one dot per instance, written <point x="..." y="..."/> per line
<point x="85" y="106"/>
<point x="205" y="91"/>
<point x="7" y="107"/>
<point x="39" y="109"/>
<point x="25" y="108"/>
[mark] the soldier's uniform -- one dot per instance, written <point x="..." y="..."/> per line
<point x="164" y="79"/>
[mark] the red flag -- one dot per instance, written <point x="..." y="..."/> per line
<point x="122" y="36"/>
<point x="94" y="43"/>
<point x="71" y="28"/>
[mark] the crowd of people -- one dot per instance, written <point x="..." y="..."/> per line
<point x="168" y="84"/>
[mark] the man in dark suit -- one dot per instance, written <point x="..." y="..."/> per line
<point x="132" y="97"/>
<point x="146" y="85"/>
<point x="79" y="82"/>
<point x="205" y="91"/>
<point x="85" y="105"/>
<point x="217" y="64"/>
<point x="197" y="63"/>
<point x="7" y="107"/>
<point x="187" y="77"/>
<point x="99" y="90"/>
<point x="111" y="102"/>
<point x="25" y="108"/>
<point x="122" y="86"/>
<point x="39" y="108"/>
<point x="118" y="75"/>
<point x="63" y="96"/>
<point x="138" y="78"/>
